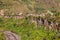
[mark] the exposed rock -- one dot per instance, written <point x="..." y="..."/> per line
<point x="11" y="36"/>
<point x="46" y="23"/>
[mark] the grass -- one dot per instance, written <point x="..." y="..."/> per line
<point x="22" y="26"/>
<point x="26" y="31"/>
<point x="2" y="36"/>
<point x="27" y="5"/>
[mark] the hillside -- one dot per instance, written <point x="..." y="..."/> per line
<point x="30" y="5"/>
<point x="29" y="19"/>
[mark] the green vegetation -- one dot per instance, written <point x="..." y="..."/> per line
<point x="26" y="30"/>
<point x="2" y="36"/>
<point x="23" y="27"/>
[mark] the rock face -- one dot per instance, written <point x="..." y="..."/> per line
<point x="11" y="36"/>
